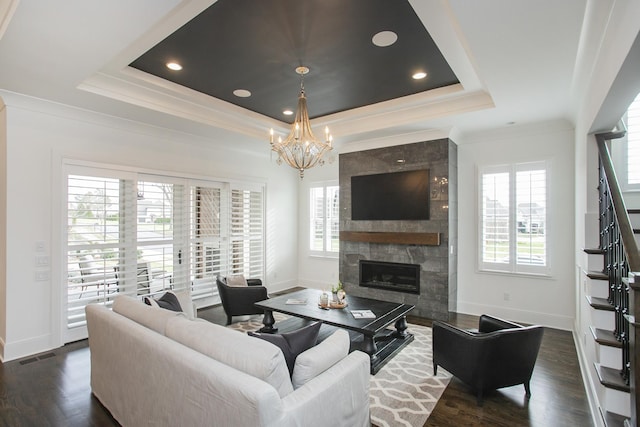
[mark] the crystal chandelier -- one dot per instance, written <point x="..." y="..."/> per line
<point x="301" y="149"/>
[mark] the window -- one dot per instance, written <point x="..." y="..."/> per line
<point x="631" y="148"/>
<point x="135" y="234"/>
<point x="324" y="213"/>
<point x="513" y="218"/>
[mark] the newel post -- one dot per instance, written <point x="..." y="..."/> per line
<point x="634" y="339"/>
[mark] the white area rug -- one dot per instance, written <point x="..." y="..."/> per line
<point x="404" y="391"/>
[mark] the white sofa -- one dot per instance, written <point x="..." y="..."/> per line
<point x="151" y="366"/>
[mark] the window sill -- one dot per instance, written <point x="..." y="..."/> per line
<point x="528" y="275"/>
<point x="323" y="255"/>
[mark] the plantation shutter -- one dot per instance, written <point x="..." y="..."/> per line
<point x="316" y="228"/>
<point x="513" y="218"/>
<point x="633" y="143"/>
<point x="495" y="220"/>
<point x="333" y="219"/>
<point x="247" y="232"/>
<point x="531" y="205"/>
<point x="99" y="208"/>
<point x="209" y="218"/>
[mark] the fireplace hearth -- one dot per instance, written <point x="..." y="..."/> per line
<point x="390" y="276"/>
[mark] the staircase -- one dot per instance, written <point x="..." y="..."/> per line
<point x="611" y="288"/>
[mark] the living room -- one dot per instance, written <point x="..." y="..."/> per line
<point x="49" y="125"/>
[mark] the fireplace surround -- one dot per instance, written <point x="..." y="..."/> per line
<point x="430" y="244"/>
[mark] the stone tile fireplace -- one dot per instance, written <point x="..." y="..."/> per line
<point x="429" y="246"/>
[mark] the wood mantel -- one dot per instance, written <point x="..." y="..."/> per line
<point x="427" y="239"/>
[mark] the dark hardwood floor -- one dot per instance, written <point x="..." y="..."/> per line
<point x="52" y="389"/>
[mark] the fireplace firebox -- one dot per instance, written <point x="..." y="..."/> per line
<point x="390" y="275"/>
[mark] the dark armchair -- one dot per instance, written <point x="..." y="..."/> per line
<point x="500" y="354"/>
<point x="239" y="300"/>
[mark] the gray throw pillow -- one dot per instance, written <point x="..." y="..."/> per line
<point x="167" y="301"/>
<point x="293" y="343"/>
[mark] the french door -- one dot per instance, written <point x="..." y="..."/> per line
<point x="142" y="234"/>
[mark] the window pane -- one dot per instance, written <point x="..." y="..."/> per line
<point x="531" y="216"/>
<point x="246" y="252"/>
<point x="633" y="142"/>
<point x="333" y="212"/>
<point x="495" y="217"/>
<point x="316" y="197"/>
<point x="95" y="229"/>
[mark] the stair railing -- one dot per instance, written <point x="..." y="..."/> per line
<point x="621" y="257"/>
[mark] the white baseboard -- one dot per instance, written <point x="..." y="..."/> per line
<point x="587" y="379"/>
<point x="532" y="317"/>
<point x="273" y="286"/>
<point x="19" y="349"/>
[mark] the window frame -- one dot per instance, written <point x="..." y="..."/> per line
<point x="326" y="219"/>
<point x="513" y="267"/>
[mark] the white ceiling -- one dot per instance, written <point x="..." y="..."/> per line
<point x="516" y="61"/>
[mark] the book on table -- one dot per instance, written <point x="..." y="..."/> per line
<point x="296" y="301"/>
<point x="363" y="314"/>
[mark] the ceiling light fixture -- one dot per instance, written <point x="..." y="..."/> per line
<point x="301" y="150"/>
<point x="419" y="75"/>
<point x="384" y="38"/>
<point x="174" y="66"/>
<point x="242" y="93"/>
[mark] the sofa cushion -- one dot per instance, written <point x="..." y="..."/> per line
<point x="168" y="301"/>
<point x="184" y="297"/>
<point x="154" y="318"/>
<point x="321" y="357"/>
<point x="292" y="343"/>
<point x="254" y="357"/>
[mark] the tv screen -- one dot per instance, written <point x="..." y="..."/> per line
<point x="391" y="196"/>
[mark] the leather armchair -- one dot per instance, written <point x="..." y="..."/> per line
<point x="239" y="300"/>
<point x="500" y="354"/>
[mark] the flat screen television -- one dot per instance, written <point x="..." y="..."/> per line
<point x="390" y="196"/>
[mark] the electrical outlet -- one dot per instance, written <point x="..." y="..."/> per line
<point x="42" y="275"/>
<point x="42" y="261"/>
<point x="507" y="296"/>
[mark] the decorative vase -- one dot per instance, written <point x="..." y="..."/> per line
<point x="341" y="294"/>
<point x="324" y="299"/>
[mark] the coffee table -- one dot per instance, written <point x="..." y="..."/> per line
<point x="369" y="335"/>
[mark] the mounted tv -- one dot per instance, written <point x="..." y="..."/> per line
<point x="390" y="196"/>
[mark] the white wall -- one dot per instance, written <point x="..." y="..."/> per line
<point x="315" y="272"/>
<point x="40" y="135"/>
<point x="548" y="301"/>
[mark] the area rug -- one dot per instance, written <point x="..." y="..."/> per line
<point x="404" y="391"/>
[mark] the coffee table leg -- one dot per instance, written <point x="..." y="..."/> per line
<point x="401" y="327"/>
<point x="369" y="346"/>
<point x="268" y="321"/>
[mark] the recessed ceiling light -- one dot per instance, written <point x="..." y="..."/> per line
<point x="384" y="38"/>
<point x="242" y="93"/>
<point x="287" y="112"/>
<point x="400" y="161"/>
<point x="419" y="75"/>
<point x="174" y="66"/>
